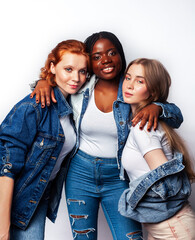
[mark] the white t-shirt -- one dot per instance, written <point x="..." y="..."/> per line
<point x="70" y="141"/>
<point x="139" y="142"/>
<point x="98" y="135"/>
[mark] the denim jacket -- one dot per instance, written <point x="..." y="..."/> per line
<point x="171" y="114"/>
<point x="158" y="194"/>
<point x="31" y="139"/>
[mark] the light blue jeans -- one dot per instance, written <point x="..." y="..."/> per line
<point x="91" y="181"/>
<point x="36" y="227"/>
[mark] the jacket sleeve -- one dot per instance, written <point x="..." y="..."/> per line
<point x="171" y="114"/>
<point x="17" y="133"/>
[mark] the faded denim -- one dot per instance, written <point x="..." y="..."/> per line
<point x="31" y="139"/>
<point x="158" y="194"/>
<point x="91" y="181"/>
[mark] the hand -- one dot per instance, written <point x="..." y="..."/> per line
<point x="4" y="236"/>
<point x="148" y="114"/>
<point x="43" y="91"/>
<point x="4" y="229"/>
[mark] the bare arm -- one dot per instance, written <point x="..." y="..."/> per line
<point x="44" y="92"/>
<point x="155" y="158"/>
<point x="6" y="193"/>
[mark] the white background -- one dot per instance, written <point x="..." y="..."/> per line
<point x="162" y="29"/>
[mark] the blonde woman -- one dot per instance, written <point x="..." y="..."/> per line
<point x="157" y="162"/>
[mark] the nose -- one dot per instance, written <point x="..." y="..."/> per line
<point x="106" y="59"/>
<point x="130" y="85"/>
<point x="76" y="76"/>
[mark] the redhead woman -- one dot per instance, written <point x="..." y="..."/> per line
<point x="33" y="145"/>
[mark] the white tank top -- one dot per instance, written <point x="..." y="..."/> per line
<point x="98" y="135"/>
<point x="70" y="141"/>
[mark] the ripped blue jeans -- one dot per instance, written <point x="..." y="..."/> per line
<point x="91" y="181"/>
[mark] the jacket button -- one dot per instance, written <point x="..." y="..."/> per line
<point x="5" y="170"/>
<point x="116" y="105"/>
<point x="122" y="143"/>
<point x="121" y="123"/>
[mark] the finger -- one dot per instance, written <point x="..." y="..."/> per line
<point x="47" y="99"/>
<point x="42" y="100"/>
<point x="137" y="119"/>
<point x="53" y="96"/>
<point x="37" y="97"/>
<point x="143" y="123"/>
<point x="150" y="124"/>
<point x="32" y="94"/>
<point x="155" y="123"/>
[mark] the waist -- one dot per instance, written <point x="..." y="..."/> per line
<point x="95" y="159"/>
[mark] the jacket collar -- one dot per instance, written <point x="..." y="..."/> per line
<point x="62" y="106"/>
<point x="120" y="92"/>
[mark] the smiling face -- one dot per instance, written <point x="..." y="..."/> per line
<point x="134" y="86"/>
<point x="105" y="59"/>
<point x="70" y="73"/>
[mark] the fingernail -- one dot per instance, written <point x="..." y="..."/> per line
<point x="42" y="105"/>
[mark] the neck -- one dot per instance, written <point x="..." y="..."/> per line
<point x="65" y="94"/>
<point x="107" y="84"/>
<point x="133" y="109"/>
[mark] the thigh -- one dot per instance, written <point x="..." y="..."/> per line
<point x="82" y="200"/>
<point x="35" y="229"/>
<point x="180" y="226"/>
<point x="121" y="227"/>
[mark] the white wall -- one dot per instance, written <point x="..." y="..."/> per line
<point x="162" y="29"/>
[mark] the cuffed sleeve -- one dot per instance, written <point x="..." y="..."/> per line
<point x="171" y="114"/>
<point x="17" y="133"/>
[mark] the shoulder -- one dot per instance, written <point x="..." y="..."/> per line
<point x="141" y="135"/>
<point x="27" y="107"/>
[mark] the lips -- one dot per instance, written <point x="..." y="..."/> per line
<point x="74" y="86"/>
<point x="128" y="94"/>
<point x="108" y="69"/>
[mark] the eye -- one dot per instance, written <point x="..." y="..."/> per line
<point x="140" y="81"/>
<point x="83" y="71"/>
<point x="112" y="53"/>
<point x="68" y="69"/>
<point x="127" y="78"/>
<point x="96" y="57"/>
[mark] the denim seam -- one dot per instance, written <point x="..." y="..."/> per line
<point x="110" y="222"/>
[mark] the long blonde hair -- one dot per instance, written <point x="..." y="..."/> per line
<point x="158" y="82"/>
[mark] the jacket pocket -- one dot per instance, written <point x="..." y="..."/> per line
<point x="41" y="150"/>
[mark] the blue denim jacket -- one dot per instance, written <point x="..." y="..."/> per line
<point x="158" y="194"/>
<point x="171" y="114"/>
<point x="31" y="139"/>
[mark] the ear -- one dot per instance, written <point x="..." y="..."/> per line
<point x="52" y="68"/>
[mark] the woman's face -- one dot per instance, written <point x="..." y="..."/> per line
<point x="106" y="60"/>
<point x="134" y="86"/>
<point x="70" y="73"/>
